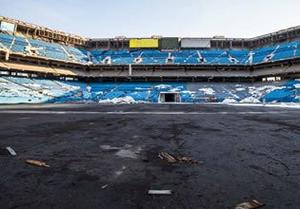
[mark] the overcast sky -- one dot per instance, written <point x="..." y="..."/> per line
<point x="143" y="18"/>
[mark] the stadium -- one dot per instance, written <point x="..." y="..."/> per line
<point x="157" y="69"/>
<point x="152" y="122"/>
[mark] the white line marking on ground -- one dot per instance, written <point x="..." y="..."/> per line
<point x="47" y="112"/>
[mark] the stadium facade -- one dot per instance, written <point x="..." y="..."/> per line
<point x="55" y="66"/>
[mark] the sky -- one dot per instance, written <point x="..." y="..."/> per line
<point x="169" y="18"/>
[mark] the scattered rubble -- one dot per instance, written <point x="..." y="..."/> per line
<point x="120" y="100"/>
<point x="160" y="192"/>
<point x="11" y="151"/>
<point x="37" y="163"/>
<point x="187" y="160"/>
<point x="121" y="171"/>
<point x="167" y="157"/>
<point x="175" y="159"/>
<point x="253" y="204"/>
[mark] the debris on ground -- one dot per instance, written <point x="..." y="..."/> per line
<point x="167" y="157"/>
<point x="127" y="151"/>
<point x="160" y="192"/>
<point x="174" y="159"/>
<point x="11" y="151"/>
<point x="37" y="163"/>
<point x="187" y="160"/>
<point x="253" y="204"/>
<point x="121" y="171"/>
<point x="104" y="186"/>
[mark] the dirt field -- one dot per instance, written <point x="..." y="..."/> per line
<point x="106" y="157"/>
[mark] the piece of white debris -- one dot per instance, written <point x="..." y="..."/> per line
<point x="11" y="151"/>
<point x="104" y="186"/>
<point x="253" y="204"/>
<point x="159" y="192"/>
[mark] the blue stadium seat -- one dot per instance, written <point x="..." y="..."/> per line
<point x="6" y="40"/>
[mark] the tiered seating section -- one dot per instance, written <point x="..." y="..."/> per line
<point x="41" y="48"/>
<point x="56" y="51"/>
<point x="32" y="90"/>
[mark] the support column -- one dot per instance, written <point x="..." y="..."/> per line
<point x="130" y="70"/>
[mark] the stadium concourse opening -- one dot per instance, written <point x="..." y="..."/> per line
<point x="169" y="97"/>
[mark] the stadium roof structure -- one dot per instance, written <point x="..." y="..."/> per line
<point x="40" y="51"/>
<point x="45" y="33"/>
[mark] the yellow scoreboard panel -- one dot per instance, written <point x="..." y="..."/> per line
<point x="143" y="43"/>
